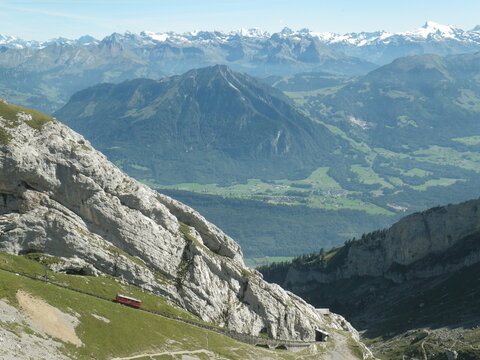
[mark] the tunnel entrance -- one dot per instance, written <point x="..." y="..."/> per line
<point x="320" y="335"/>
<point x="80" y="271"/>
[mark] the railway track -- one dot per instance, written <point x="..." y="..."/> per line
<point x="245" y="338"/>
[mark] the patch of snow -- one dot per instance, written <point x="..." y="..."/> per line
<point x="397" y="207"/>
<point x="358" y="122"/>
<point x="432" y="28"/>
<point x="156" y="36"/>
<point x="232" y="86"/>
<point x="251" y="33"/>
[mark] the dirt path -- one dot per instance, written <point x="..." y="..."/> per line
<point x="172" y="353"/>
<point x="48" y="318"/>
<point x="341" y="350"/>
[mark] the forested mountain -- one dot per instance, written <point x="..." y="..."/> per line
<point x="209" y="125"/>
<point x="411" y="103"/>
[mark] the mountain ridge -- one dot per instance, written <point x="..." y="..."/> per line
<point x="414" y="95"/>
<point x="430" y="30"/>
<point x="207" y="125"/>
<point x="401" y="283"/>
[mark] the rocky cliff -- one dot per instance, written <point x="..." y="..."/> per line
<point x="61" y="197"/>
<point x="413" y="284"/>
<point x="421" y="245"/>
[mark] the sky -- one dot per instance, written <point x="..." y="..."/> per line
<point x="42" y="20"/>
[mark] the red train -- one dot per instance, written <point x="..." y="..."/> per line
<point x="127" y="300"/>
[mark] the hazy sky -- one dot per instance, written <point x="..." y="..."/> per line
<point x="41" y="20"/>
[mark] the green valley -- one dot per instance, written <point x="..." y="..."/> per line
<point x="331" y="152"/>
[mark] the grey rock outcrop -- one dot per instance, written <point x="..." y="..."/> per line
<point x="451" y="355"/>
<point x="59" y="196"/>
<point x="414" y="247"/>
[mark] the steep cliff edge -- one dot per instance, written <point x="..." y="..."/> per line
<point x="413" y="290"/>
<point x="421" y="245"/>
<point x="61" y="197"/>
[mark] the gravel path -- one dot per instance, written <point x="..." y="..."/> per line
<point x="171" y="353"/>
<point x="341" y="350"/>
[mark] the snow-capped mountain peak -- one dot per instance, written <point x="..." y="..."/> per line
<point x="429" y="32"/>
<point x="286" y="31"/>
<point x="155" y="36"/>
<point x="253" y="33"/>
<point x="9" y="41"/>
<point x="433" y="29"/>
<point x="433" y="26"/>
<point x="18" y="43"/>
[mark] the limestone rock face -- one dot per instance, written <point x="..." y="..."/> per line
<point x="412" y="248"/>
<point x="60" y="197"/>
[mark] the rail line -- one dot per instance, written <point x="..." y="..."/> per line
<point x="245" y="338"/>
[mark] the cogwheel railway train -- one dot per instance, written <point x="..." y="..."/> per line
<point x="127" y="300"/>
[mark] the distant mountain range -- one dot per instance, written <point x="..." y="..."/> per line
<point x="45" y="74"/>
<point x="379" y="46"/>
<point x="404" y="135"/>
<point x="430" y="31"/>
<point x="382" y="47"/>
<point x="18" y="43"/>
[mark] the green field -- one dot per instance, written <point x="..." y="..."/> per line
<point x="469" y="140"/>
<point x="448" y="156"/>
<point x="319" y="190"/>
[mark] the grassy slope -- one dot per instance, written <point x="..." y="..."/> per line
<point x="9" y="112"/>
<point x="446" y="164"/>
<point x="130" y="331"/>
